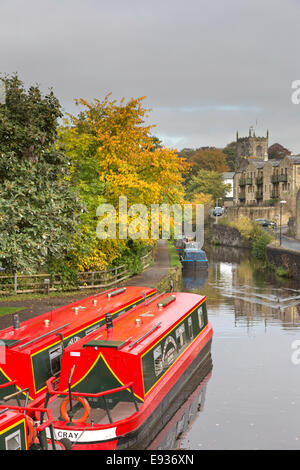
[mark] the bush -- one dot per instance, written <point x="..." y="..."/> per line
<point x="259" y="245"/>
<point x="281" y="272"/>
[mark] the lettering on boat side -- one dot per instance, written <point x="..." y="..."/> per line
<point x="74" y="340"/>
<point x="96" y="435"/>
<point x="169" y="352"/>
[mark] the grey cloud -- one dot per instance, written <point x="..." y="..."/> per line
<point x="207" y="68"/>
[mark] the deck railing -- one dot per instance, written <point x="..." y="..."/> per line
<point x="45" y="283"/>
<point x="103" y="395"/>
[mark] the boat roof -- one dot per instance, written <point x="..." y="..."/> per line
<point x="66" y="319"/>
<point x="194" y="250"/>
<point x="144" y="324"/>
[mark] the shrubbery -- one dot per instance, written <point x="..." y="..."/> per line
<point x="253" y="233"/>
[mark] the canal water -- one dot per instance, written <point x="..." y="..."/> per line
<point x="251" y="400"/>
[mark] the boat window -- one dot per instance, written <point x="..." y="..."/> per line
<point x="190" y="327"/>
<point x="13" y="441"/>
<point x="158" y="362"/>
<point x="201" y="317"/>
<point x="180" y="336"/>
<point x="55" y="359"/>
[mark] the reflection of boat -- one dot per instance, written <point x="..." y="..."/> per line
<point x="194" y="256"/>
<point x="30" y="352"/>
<point x="126" y="375"/>
<point x="194" y="278"/>
<point x="172" y="434"/>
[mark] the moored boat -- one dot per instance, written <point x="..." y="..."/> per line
<point x="19" y="432"/>
<point x="194" y="256"/>
<point x="31" y="351"/>
<point x="116" y="383"/>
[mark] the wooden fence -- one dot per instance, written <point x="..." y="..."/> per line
<point x="45" y="283"/>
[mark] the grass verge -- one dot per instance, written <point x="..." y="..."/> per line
<point x="174" y="258"/>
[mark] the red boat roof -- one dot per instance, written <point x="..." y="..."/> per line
<point x="135" y="330"/>
<point x="66" y="319"/>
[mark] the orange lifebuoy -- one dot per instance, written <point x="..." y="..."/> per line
<point x="84" y="403"/>
<point x="31" y="431"/>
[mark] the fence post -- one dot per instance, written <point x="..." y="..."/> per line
<point x="46" y="286"/>
<point x="15" y="282"/>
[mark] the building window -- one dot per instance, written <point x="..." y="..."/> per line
<point x="298" y="168"/>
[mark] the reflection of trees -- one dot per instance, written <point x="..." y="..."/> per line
<point x="256" y="293"/>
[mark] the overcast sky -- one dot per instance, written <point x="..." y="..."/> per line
<point x="207" y="67"/>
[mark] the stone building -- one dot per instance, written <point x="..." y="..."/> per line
<point x="266" y="182"/>
<point x="251" y="147"/>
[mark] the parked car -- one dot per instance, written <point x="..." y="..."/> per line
<point x="262" y="222"/>
<point x="218" y="211"/>
<point x="266" y="223"/>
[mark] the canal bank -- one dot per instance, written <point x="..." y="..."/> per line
<point x="159" y="275"/>
<point x="263" y="245"/>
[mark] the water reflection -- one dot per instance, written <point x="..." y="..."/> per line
<point x="253" y="399"/>
<point x="194" y="279"/>
<point x="254" y="293"/>
<point x="170" y="438"/>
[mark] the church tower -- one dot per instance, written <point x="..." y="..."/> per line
<point x="252" y="147"/>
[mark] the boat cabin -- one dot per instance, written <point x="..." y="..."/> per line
<point x="124" y="363"/>
<point x="195" y="255"/>
<point x="31" y="352"/>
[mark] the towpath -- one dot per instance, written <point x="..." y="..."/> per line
<point x="148" y="278"/>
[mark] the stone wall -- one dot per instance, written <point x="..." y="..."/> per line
<point x="297" y="219"/>
<point x="259" y="212"/>
<point x="227" y="236"/>
<point x="283" y="258"/>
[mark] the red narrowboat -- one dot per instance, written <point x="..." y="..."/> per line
<point x="31" y="351"/>
<point x="117" y="383"/>
<point x="19" y="432"/>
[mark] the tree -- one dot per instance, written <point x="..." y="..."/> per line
<point x="114" y="154"/>
<point x="186" y="153"/>
<point x="207" y="182"/>
<point x="277" y="151"/>
<point x="210" y="159"/>
<point x="38" y="206"/>
<point x="231" y="155"/>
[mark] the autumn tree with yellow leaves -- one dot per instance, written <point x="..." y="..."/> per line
<point x="113" y="153"/>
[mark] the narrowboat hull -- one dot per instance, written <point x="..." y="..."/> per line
<point x="195" y="264"/>
<point x="164" y="399"/>
<point x="31" y="352"/>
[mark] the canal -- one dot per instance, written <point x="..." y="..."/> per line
<point x="251" y="399"/>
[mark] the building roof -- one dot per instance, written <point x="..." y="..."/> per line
<point x="228" y="174"/>
<point x="295" y="159"/>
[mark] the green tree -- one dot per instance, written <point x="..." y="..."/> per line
<point x="207" y="182"/>
<point x="38" y="206"/>
<point x="230" y="152"/>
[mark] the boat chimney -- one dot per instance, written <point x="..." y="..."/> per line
<point x="16" y="321"/>
<point x="108" y="321"/>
